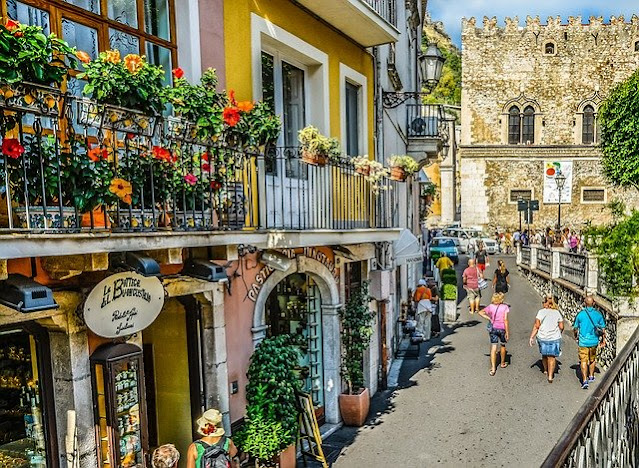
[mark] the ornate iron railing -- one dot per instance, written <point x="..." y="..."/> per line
<point x="573" y="268"/>
<point x="387" y="9"/>
<point x="424" y="120"/>
<point x="70" y="165"/>
<point x="605" y="430"/>
<point x="525" y="255"/>
<point x="544" y="260"/>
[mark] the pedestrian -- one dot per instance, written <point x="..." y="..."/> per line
<point x="434" y="301"/>
<point x="574" y="242"/>
<point x="548" y="327"/>
<point x="481" y="257"/>
<point x="589" y="329"/>
<point x="498" y="329"/>
<point x="517" y="238"/>
<point x="444" y="263"/>
<point x="470" y="278"/>
<point x="214" y="448"/>
<point x="165" y="456"/>
<point x="501" y="278"/>
<point x="423" y="307"/>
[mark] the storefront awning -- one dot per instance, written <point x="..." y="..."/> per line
<point x="407" y="249"/>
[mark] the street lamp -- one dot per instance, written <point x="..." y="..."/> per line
<point x="431" y="63"/>
<point x="560" y="180"/>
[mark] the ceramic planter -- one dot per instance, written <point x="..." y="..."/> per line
<point x="100" y="221"/>
<point x="314" y="159"/>
<point x="52" y="219"/>
<point x="288" y="458"/>
<point x="354" y="408"/>
<point x="448" y="310"/>
<point x="363" y="170"/>
<point x="397" y="173"/>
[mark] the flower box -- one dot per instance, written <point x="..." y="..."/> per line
<point x="32" y="98"/>
<point x="314" y="159"/>
<point x="397" y="173"/>
<point x="52" y="220"/>
<point x="363" y="170"/>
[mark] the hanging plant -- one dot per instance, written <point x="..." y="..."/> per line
<point x="372" y="171"/>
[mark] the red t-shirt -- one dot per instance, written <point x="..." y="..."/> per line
<point x="472" y="278"/>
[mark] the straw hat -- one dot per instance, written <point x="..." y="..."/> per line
<point x="210" y="424"/>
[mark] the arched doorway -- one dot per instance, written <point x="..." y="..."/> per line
<point x="294" y="308"/>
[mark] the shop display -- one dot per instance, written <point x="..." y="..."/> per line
<point x="118" y="380"/>
<point x="22" y="432"/>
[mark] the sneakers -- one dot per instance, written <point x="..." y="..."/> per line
<point x="591" y="379"/>
<point x="585" y="385"/>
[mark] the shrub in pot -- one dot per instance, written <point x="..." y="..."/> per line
<point x="316" y="148"/>
<point x="357" y="320"/>
<point x="402" y="167"/>
<point x="373" y="171"/>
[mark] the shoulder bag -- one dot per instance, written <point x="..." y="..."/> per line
<point x="481" y="281"/>
<point x="599" y="332"/>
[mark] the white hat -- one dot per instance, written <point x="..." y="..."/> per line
<point x="210" y="424"/>
<point x="421" y="282"/>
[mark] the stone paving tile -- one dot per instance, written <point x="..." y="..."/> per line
<point x="447" y="410"/>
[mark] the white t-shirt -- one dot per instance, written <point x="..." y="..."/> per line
<point x="549" y="328"/>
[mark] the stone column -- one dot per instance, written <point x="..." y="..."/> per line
<point x="518" y="254"/>
<point x="592" y="273"/>
<point x="533" y="257"/>
<point x="554" y="266"/>
<point x="332" y="359"/>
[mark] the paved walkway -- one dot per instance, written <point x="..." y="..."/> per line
<point x="447" y="410"/>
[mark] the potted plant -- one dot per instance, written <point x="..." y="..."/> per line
<point x="357" y="320"/>
<point x="272" y="410"/>
<point x="316" y="148"/>
<point x="428" y="192"/>
<point x="449" y="295"/>
<point x="373" y="171"/>
<point x="402" y="167"/>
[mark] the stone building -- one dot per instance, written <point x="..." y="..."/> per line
<point x="530" y="99"/>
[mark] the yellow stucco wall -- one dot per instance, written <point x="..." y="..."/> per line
<point x="284" y="13"/>
<point x="434" y="174"/>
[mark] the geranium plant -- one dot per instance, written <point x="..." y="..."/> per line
<point x="406" y="163"/>
<point x="27" y="54"/>
<point x="131" y="82"/>
<point x="373" y="171"/>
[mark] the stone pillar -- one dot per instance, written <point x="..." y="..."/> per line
<point x="592" y="273"/>
<point x="554" y="266"/>
<point x="216" y="379"/>
<point x="533" y="257"/>
<point x="519" y="254"/>
<point x="627" y="321"/>
<point x="332" y="359"/>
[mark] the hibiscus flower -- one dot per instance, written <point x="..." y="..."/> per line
<point x="12" y="148"/>
<point x="11" y="25"/>
<point x="133" y="63"/>
<point x="178" y="73"/>
<point x="232" y="97"/>
<point x="190" y="179"/>
<point x="216" y="184"/>
<point x="96" y="154"/>
<point x="112" y="56"/>
<point x="162" y="154"/>
<point x="122" y="189"/>
<point x="245" y="106"/>
<point x="231" y="116"/>
<point x="83" y="56"/>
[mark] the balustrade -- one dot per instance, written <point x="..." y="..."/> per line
<point x="573" y="268"/>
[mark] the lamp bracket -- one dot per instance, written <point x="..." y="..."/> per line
<point x="393" y="99"/>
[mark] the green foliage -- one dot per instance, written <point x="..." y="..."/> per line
<point x="406" y="162"/>
<point x="619" y="123"/>
<point x="617" y="250"/>
<point x="132" y="83"/>
<point x="261" y="439"/>
<point x="270" y="393"/>
<point x="448" y="90"/>
<point x="357" y="321"/>
<point x="449" y="276"/>
<point x="449" y="292"/>
<point x="259" y="127"/>
<point x="27" y="54"/>
<point x="312" y="141"/>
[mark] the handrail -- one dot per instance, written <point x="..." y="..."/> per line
<point x="570" y="437"/>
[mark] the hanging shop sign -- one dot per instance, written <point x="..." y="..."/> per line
<point x="123" y="304"/>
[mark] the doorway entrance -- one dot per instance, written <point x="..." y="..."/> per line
<point x="294" y="308"/>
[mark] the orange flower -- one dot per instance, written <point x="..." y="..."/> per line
<point x="83" y="56"/>
<point x="231" y="116"/>
<point x="96" y="154"/>
<point x="232" y="97"/>
<point x="133" y="63"/>
<point x="122" y="189"/>
<point x="162" y="154"/>
<point x="245" y="106"/>
<point x="112" y="56"/>
<point x="11" y="25"/>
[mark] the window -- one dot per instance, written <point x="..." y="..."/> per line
<point x="352" y="119"/>
<point x="516" y="194"/>
<point x="549" y="48"/>
<point x="636" y="46"/>
<point x="514" y="125"/>
<point x="593" y="195"/>
<point x="131" y="26"/>
<point x="528" y="127"/>
<point x="588" y="126"/>
<point x="353" y="278"/>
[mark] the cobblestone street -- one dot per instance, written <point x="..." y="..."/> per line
<point x="448" y="411"/>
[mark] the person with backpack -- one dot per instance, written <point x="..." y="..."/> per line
<point x="589" y="330"/>
<point x="214" y="449"/>
<point x="498" y="329"/>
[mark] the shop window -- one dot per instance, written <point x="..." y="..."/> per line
<point x="593" y="195"/>
<point x="25" y="437"/>
<point x="517" y="194"/>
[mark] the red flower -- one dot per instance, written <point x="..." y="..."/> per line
<point x="232" y="97"/>
<point x="190" y="179"/>
<point x="130" y="136"/>
<point x="11" y="25"/>
<point x="216" y="184"/>
<point x="245" y="106"/>
<point x="206" y="167"/>
<point x="205" y="156"/>
<point x="96" y="154"/>
<point x="178" y="72"/>
<point x="162" y="154"/>
<point x="231" y="116"/>
<point x="12" y="148"/>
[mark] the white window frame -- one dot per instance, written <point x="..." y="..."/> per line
<point x="520" y="189"/>
<point x="605" y="200"/>
<point x="348" y="75"/>
<point x="270" y="38"/>
<point x="554" y="44"/>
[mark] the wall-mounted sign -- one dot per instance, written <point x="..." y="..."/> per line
<point x="123" y="304"/>
<point x="551" y="192"/>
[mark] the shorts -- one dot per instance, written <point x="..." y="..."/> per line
<point x="549" y="348"/>
<point x="482" y="267"/>
<point x="474" y="294"/>
<point x="497" y="336"/>
<point x="588" y="355"/>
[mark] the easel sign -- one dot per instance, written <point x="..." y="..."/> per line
<point x="309" y="431"/>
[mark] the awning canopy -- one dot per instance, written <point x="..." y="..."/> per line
<point x="407" y="249"/>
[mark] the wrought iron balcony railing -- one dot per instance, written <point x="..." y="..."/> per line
<point x="387" y="9"/>
<point x="424" y="120"/>
<point x="70" y="165"/>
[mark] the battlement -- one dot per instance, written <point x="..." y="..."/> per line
<point x="553" y="23"/>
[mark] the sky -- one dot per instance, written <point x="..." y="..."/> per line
<point x="450" y="12"/>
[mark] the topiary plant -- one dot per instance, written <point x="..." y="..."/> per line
<point x="449" y="292"/>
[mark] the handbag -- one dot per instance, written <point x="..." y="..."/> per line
<point x="481" y="282"/>
<point x="489" y="325"/>
<point x="599" y="332"/>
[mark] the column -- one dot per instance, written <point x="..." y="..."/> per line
<point x="332" y="359"/>
<point x="592" y="273"/>
<point x="518" y="254"/>
<point x="555" y="265"/>
<point x="533" y="257"/>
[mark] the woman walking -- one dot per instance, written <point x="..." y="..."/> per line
<point x="549" y="324"/>
<point x="481" y="257"/>
<point x="498" y="329"/>
<point x="501" y="279"/>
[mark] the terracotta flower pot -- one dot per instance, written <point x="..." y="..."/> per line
<point x="363" y="170"/>
<point x="354" y="408"/>
<point x="397" y="173"/>
<point x="314" y="159"/>
<point x="99" y="218"/>
<point x="288" y="458"/>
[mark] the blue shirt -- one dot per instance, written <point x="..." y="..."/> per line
<point x="587" y="337"/>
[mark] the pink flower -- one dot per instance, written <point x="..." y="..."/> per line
<point x="190" y="179"/>
<point x="206" y="167"/>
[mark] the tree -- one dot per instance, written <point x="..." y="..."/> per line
<point x="619" y="124"/>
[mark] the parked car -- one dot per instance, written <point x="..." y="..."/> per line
<point x="444" y="244"/>
<point x="465" y="236"/>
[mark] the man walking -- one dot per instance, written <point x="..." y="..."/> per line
<point x="471" y="284"/>
<point x="589" y="329"/>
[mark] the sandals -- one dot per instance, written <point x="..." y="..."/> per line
<point x="492" y="373"/>
<point x="504" y="365"/>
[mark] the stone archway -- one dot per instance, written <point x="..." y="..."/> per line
<point x="330" y="304"/>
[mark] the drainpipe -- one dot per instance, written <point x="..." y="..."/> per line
<point x="378" y="106"/>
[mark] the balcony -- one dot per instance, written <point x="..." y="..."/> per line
<point x="77" y="177"/>
<point x="423" y="124"/>
<point x="367" y="22"/>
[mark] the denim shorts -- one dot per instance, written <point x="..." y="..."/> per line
<point x="549" y="348"/>
<point x="497" y="336"/>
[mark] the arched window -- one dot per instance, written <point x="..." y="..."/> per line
<point x="514" y="126"/>
<point x="528" y="126"/>
<point x="636" y="46"/>
<point x="588" y="126"/>
<point x="549" y="48"/>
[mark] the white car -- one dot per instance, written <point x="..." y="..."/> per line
<point x="468" y="239"/>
